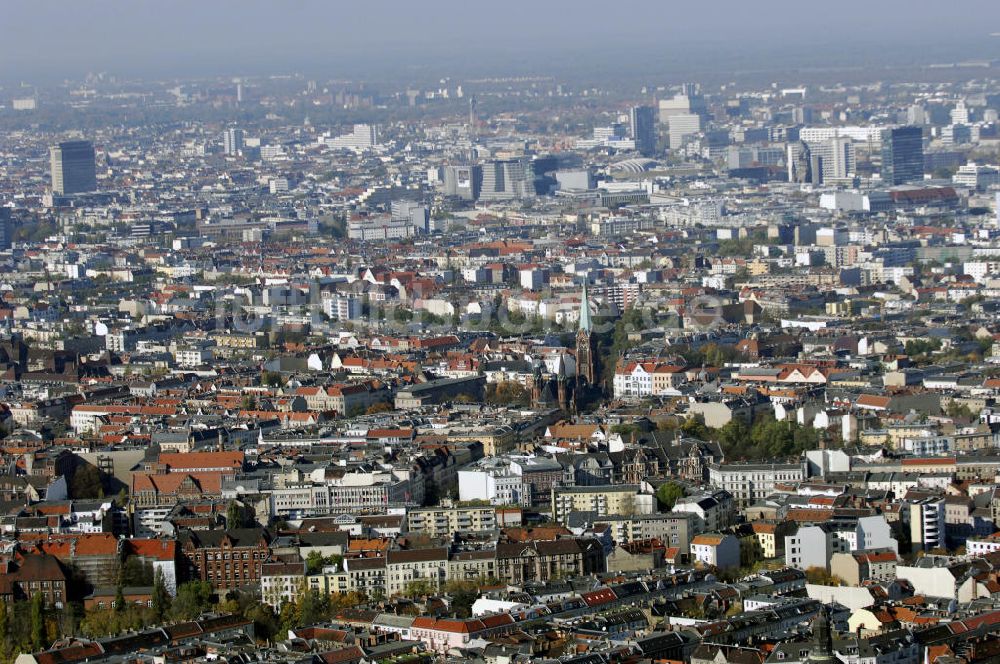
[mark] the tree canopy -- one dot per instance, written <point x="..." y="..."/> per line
<point x="668" y="494"/>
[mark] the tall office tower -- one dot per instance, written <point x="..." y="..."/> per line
<point x="6" y="229"/>
<point x="473" y="119"/>
<point x="681" y="126"/>
<point x="464" y="182"/>
<point x="493" y="181"/>
<point x="416" y="214"/>
<point x="689" y="100"/>
<point x="902" y="155"/>
<point x="614" y="132"/>
<point x="737" y="157"/>
<point x="507" y="179"/>
<point x="520" y="177"/>
<point x="73" y="167"/>
<point x="960" y="114"/>
<point x="832" y="159"/>
<point x="642" y="120"/>
<point x="843" y="162"/>
<point x="958" y="134"/>
<point x="802" y="115"/>
<point x="232" y="141"/>
<point x="916" y="115"/>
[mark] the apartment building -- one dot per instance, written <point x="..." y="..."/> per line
<point x="603" y="500"/>
<point x="444" y="521"/>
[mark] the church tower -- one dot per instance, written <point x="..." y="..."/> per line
<point x="822" y="646"/>
<point x="585" y="368"/>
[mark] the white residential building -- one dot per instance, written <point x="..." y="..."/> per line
<point x="749" y="483"/>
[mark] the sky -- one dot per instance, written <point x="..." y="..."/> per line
<point x="57" y="39"/>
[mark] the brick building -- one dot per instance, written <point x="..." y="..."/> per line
<point x="227" y="559"/>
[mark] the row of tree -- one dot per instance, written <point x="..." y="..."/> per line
<point x="766" y="438"/>
<point x="31" y="625"/>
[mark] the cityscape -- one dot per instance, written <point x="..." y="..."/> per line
<point x="412" y="335"/>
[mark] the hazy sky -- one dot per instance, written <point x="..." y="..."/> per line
<point x="67" y="38"/>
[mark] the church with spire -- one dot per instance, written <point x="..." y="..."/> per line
<point x="586" y="373"/>
<point x="822" y="651"/>
<point x="563" y="391"/>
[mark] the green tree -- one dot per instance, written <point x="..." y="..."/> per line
<point x="265" y="623"/>
<point x="160" y="601"/>
<point x="314" y="562"/>
<point x="627" y="430"/>
<point x="959" y="410"/>
<point x="234" y="515"/>
<point x="86" y="482"/>
<point x="193" y="598"/>
<point x="348" y="600"/>
<point x="5" y="635"/>
<point x="733" y="434"/>
<point x="507" y="393"/>
<point x="67" y="621"/>
<point x="419" y="588"/>
<point x="821" y="577"/>
<point x="136" y="572"/>
<point x="922" y="347"/>
<point x="740" y="247"/>
<point x="313" y="608"/>
<point x="99" y="622"/>
<point x="38" y="622"/>
<point x="464" y="593"/>
<point x="668" y="494"/>
<point x="695" y="428"/>
<point x="288" y="616"/>
<point x="120" y="603"/>
<point x="271" y="379"/>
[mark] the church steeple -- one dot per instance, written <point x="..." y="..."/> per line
<point x="822" y="651"/>
<point x="586" y="324"/>
<point x="585" y="369"/>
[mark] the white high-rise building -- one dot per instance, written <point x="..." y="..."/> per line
<point x="916" y="115"/>
<point x="342" y="307"/>
<point x="232" y="141"/>
<point x="683" y="125"/>
<point x="837" y="159"/>
<point x="688" y="101"/>
<point x="861" y="134"/>
<point x="269" y="152"/>
<point x="977" y="176"/>
<point x="362" y="137"/>
<point x="960" y="114"/>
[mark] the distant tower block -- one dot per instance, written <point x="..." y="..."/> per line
<point x="73" y="167"/>
<point x="473" y="106"/>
